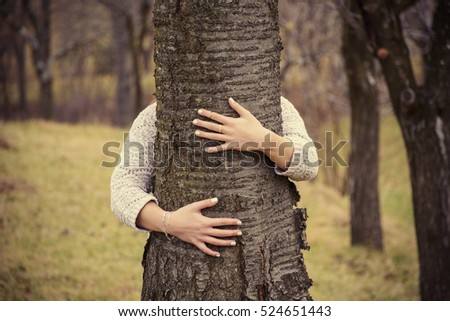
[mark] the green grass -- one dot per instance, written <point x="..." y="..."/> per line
<point x="59" y="240"/>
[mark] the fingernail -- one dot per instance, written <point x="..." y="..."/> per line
<point x="232" y="100"/>
<point x="218" y="255"/>
<point x="197" y="132"/>
<point x="200" y="111"/>
<point x="214" y="200"/>
<point x="239" y="233"/>
<point x="233" y="243"/>
<point x="238" y="223"/>
<point x="195" y="121"/>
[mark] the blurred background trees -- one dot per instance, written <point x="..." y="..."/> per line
<point x="81" y="74"/>
<point x="82" y="62"/>
<point x="422" y="109"/>
<point x="90" y="61"/>
<point x="360" y="68"/>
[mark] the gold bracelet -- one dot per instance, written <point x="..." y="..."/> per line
<point x="166" y="222"/>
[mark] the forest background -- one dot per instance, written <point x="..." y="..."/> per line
<point x="93" y="73"/>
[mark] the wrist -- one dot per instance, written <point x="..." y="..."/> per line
<point x="151" y="217"/>
<point x="166" y="220"/>
<point x="172" y="227"/>
<point x="266" y="140"/>
<point x="279" y="149"/>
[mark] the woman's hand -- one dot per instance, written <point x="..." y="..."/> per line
<point x="189" y="224"/>
<point x="244" y="133"/>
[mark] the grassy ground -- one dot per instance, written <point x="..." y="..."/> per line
<point x="59" y="240"/>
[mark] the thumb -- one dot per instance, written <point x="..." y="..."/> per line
<point x="210" y="202"/>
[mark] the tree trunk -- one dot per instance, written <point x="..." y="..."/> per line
<point x="146" y="34"/>
<point x="41" y="50"/>
<point x="43" y="65"/>
<point x="424" y="117"/>
<point x="5" y="110"/>
<point x="123" y="68"/>
<point x="134" y="51"/>
<point x="205" y="53"/>
<point x="46" y="98"/>
<point x="19" y="49"/>
<point x="366" y="227"/>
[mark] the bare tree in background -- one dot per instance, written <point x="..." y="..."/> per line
<point x="12" y="44"/>
<point x="82" y="59"/>
<point x="363" y="93"/>
<point x="130" y="35"/>
<point x="423" y="112"/>
<point x="312" y="72"/>
<point x="39" y="36"/>
<point x="32" y="21"/>
<point x="360" y="66"/>
<point x="5" y="49"/>
<point x="124" y="104"/>
<point x="21" y="56"/>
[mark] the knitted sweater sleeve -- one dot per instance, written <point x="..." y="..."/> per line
<point x="304" y="163"/>
<point x="132" y="181"/>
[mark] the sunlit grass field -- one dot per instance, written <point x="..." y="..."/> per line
<point x="60" y="241"/>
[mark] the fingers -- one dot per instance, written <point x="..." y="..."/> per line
<point x="213" y="136"/>
<point x="210" y="202"/>
<point x="202" y="247"/>
<point x="208" y="125"/>
<point x="221" y="148"/>
<point x="237" y="107"/>
<point x="215" y="241"/>
<point x="214" y="116"/>
<point x="218" y="242"/>
<point x="224" y="221"/>
<point x="223" y="233"/>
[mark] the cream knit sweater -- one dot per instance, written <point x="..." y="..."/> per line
<point x="132" y="184"/>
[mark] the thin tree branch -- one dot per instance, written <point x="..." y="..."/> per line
<point x="74" y="45"/>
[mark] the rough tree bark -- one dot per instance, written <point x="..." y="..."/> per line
<point x="366" y="227"/>
<point x="423" y="113"/>
<point x="207" y="51"/>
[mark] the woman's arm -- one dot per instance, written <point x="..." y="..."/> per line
<point x="294" y="153"/>
<point x="134" y="204"/>
<point x="133" y="179"/>
<point x="189" y="225"/>
<point x="304" y="164"/>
